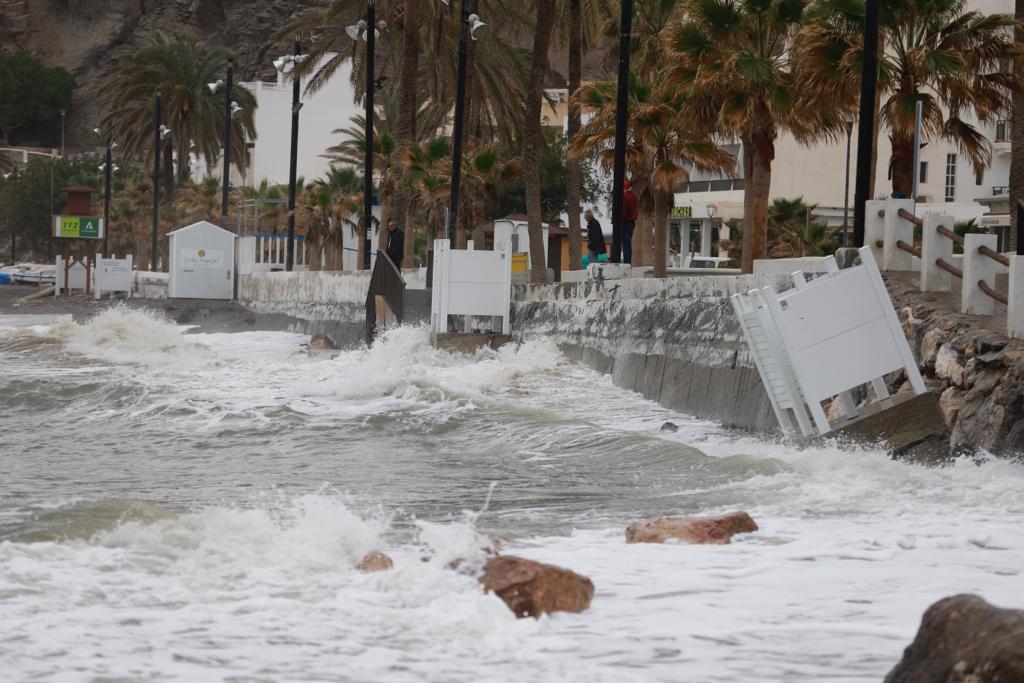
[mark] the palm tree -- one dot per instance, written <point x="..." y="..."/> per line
<point x="532" y="139"/>
<point x="579" y="21"/>
<point x="793" y="230"/>
<point x="662" y="146"/>
<point x="428" y="180"/>
<point x="739" y="62"/>
<point x="179" y="66"/>
<point x="955" y="62"/>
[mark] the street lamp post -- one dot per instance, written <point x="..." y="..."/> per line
<point x="370" y="34"/>
<point x="157" y="137"/>
<point x="866" y="132"/>
<point x="846" y="185"/>
<point x="289" y="259"/>
<point x="226" y="180"/>
<point x="621" y="123"/>
<point x="108" y="170"/>
<point x="63" y="113"/>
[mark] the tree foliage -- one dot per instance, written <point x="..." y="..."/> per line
<point x="31" y="93"/>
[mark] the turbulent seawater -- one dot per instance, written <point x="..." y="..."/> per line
<point x="190" y="507"/>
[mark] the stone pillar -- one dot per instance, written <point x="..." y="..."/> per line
<point x="977" y="267"/>
<point x="706" y="226"/>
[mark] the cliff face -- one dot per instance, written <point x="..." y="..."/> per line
<point x="83" y="36"/>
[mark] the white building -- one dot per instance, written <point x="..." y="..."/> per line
<point x="324" y="111"/>
<point x="818" y="174"/>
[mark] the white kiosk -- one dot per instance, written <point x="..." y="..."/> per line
<point x="202" y="262"/>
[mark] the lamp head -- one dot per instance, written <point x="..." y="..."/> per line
<point x="474" y="25"/>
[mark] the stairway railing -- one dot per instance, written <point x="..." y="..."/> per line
<point x="386" y="294"/>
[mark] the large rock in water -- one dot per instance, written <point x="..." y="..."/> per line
<point x="714" y="530"/>
<point x="964" y="639"/>
<point x="531" y="588"/>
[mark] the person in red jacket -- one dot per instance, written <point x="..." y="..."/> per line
<point x="630" y="206"/>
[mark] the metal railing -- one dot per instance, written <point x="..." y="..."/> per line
<point x="386" y="293"/>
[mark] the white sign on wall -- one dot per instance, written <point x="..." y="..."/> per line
<point x="202" y="258"/>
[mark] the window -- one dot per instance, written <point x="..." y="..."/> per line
<point x="922" y="175"/>
<point x="979" y="177"/>
<point x="1002" y="130"/>
<point x="950" y="177"/>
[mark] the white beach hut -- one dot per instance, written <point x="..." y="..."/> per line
<point x="202" y="262"/>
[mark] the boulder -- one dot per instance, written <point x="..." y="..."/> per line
<point x="321" y="342"/>
<point x="531" y="588"/>
<point x="963" y="639"/>
<point x="947" y="365"/>
<point x="708" y="530"/>
<point x="930" y="346"/>
<point x="950" y="402"/>
<point x="670" y="427"/>
<point x="375" y="561"/>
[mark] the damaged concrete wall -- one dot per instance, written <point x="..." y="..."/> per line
<point x="674" y="341"/>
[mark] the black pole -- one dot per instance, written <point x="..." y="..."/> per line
<point x="289" y="258"/>
<point x="459" y="123"/>
<point x="371" y="29"/>
<point x="1020" y="227"/>
<point x="156" y="183"/>
<point x="846" y="186"/>
<point x="107" y="181"/>
<point x="866" y="132"/>
<point x="621" y="123"/>
<point x="227" y="147"/>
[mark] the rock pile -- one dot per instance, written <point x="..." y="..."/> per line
<point x="531" y="588"/>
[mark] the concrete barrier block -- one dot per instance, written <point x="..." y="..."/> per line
<point x="1015" y="307"/>
<point x="897" y="228"/>
<point x="933" y="247"/>
<point x="874" y="227"/>
<point x="977" y="268"/>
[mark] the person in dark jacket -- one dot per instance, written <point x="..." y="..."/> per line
<point x="396" y="244"/>
<point x="595" y="238"/>
<point x="630" y="210"/>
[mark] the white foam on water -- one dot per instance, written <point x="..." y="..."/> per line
<point x="853" y="546"/>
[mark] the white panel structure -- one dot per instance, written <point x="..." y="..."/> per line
<point x="113" y="275"/>
<point x="76" y="276"/>
<point x="471" y="283"/>
<point x="824" y="338"/>
<point x="202" y="264"/>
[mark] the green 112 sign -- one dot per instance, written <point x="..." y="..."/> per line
<point x="83" y="227"/>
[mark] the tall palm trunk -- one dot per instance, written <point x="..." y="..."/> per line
<point x="575" y="178"/>
<point x="1017" y="138"/>
<point x="406" y="129"/>
<point x="758" y="153"/>
<point x="662" y="204"/>
<point x="532" y="139"/>
<point x="902" y="164"/>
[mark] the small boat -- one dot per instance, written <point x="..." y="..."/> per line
<point x="34" y="274"/>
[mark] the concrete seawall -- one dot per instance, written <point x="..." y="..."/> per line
<point x="674" y="341"/>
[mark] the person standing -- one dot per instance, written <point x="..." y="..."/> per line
<point x="595" y="238"/>
<point x="630" y="209"/>
<point x="396" y="244"/>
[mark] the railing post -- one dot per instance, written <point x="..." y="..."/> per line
<point x="933" y="247"/>
<point x="874" y="225"/>
<point x="977" y="267"/>
<point x="1015" y="294"/>
<point x="897" y="228"/>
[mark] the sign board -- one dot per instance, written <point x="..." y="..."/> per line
<point x="202" y="258"/>
<point x="78" y="227"/>
<point x="113" y="275"/>
<point x="682" y="212"/>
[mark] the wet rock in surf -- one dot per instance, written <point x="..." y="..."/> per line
<point x="704" y="530"/>
<point x="321" y="342"/>
<point x="670" y="427"/>
<point x="963" y="638"/>
<point x="531" y="588"/>
<point x="375" y="561"/>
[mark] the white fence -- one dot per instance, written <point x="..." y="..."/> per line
<point x="266" y="253"/>
<point x="889" y="230"/>
<point x="77" y="276"/>
<point x="471" y="283"/>
<point x="822" y="339"/>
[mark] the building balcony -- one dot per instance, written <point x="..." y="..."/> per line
<point x="725" y="185"/>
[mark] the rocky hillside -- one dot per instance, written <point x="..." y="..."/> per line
<point x="83" y="35"/>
